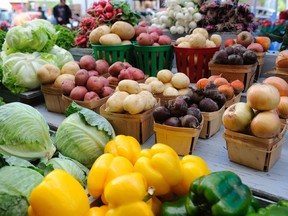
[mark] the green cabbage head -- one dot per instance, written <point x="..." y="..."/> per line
<point x="24" y="132"/>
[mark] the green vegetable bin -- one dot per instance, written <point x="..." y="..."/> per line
<point x="151" y="59"/>
<point x="113" y="53"/>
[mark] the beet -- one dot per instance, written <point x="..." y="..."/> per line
<point x="178" y="107"/>
<point x="197" y="96"/>
<point x="235" y="59"/>
<point x="239" y="50"/>
<point x="195" y="112"/>
<point x="173" y="121"/>
<point x="220" y="57"/>
<point x="187" y="99"/>
<point x="208" y="105"/>
<point x="189" y="121"/>
<point x="211" y="90"/>
<point x="161" y="114"/>
<point x="220" y="100"/>
<point x="249" y="57"/>
<point x="229" y="50"/>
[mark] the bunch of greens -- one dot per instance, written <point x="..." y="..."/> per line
<point x="1" y="101"/>
<point x="65" y="37"/>
<point x="2" y="37"/>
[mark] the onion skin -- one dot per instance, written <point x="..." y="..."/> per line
<point x="263" y="97"/>
<point x="237" y="117"/>
<point x="282" y="108"/>
<point x="279" y="83"/>
<point x="265" y="124"/>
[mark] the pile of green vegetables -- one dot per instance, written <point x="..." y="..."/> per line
<point x="26" y="48"/>
<point x="28" y="150"/>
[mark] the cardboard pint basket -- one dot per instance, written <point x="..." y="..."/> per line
<point x="53" y="99"/>
<point x="140" y="126"/>
<point x="182" y="140"/>
<point x="93" y="104"/>
<point x="235" y="99"/>
<point x="244" y="73"/>
<point x="257" y="153"/>
<point x="212" y="123"/>
<point x="260" y="62"/>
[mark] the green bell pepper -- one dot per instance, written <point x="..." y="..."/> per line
<point x="217" y="194"/>
<point x="275" y="209"/>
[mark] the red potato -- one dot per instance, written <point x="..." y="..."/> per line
<point x="112" y="79"/>
<point x="155" y="44"/>
<point x="91" y="95"/>
<point x="115" y="68"/>
<point x="107" y="90"/>
<point x="136" y="73"/>
<point x="164" y="40"/>
<point x="125" y="74"/>
<point x="127" y="65"/>
<point x="154" y="36"/>
<point x="81" y="77"/>
<point x="87" y="62"/>
<point x="104" y="80"/>
<point x="155" y="29"/>
<point x="78" y="93"/>
<point x="144" y="39"/>
<point x="93" y="73"/>
<point x="67" y="86"/>
<point x="102" y="66"/>
<point x="95" y="84"/>
<point x="143" y="23"/>
<point x="140" y="29"/>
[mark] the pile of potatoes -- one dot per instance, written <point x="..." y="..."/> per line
<point x="130" y="98"/>
<point x="123" y="70"/>
<point x="120" y="32"/>
<point x="199" y="38"/>
<point x="168" y="84"/>
<point x="82" y="81"/>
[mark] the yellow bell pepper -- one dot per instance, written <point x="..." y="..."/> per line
<point x="161" y="167"/>
<point x="139" y="208"/>
<point x="98" y="211"/>
<point x="126" y="146"/>
<point x="105" y="168"/>
<point x="126" y="189"/>
<point x="58" y="194"/>
<point x="192" y="167"/>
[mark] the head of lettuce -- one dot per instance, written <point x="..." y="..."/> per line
<point x="24" y="132"/>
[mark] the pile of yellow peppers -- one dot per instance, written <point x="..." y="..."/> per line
<point x="128" y="180"/>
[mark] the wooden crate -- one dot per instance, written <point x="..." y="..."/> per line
<point x="279" y="72"/>
<point x="182" y="140"/>
<point x="244" y="73"/>
<point x="254" y="152"/>
<point x="140" y="126"/>
<point x="53" y="99"/>
<point x="260" y="62"/>
<point x="93" y="104"/>
<point x="212" y="123"/>
<point x="235" y="99"/>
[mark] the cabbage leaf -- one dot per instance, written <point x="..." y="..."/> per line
<point x="83" y="135"/>
<point x="16" y="184"/>
<point x="62" y="55"/>
<point x="24" y="132"/>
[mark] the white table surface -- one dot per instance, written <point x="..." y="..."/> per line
<point x="272" y="185"/>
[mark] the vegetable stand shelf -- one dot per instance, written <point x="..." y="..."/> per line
<point x="270" y="185"/>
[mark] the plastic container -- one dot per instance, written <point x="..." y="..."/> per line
<point x="194" y="62"/>
<point x="151" y="59"/>
<point x="254" y="152"/>
<point x="113" y="53"/>
<point x="182" y="140"/>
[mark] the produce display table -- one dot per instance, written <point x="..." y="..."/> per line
<point x="270" y="185"/>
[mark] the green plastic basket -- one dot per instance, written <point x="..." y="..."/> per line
<point x="151" y="59"/>
<point x="113" y="53"/>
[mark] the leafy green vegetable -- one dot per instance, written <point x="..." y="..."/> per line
<point x="62" y="55"/>
<point x="1" y="101"/>
<point x="127" y="15"/>
<point x="83" y="135"/>
<point x="20" y="70"/>
<point x="65" y="37"/>
<point x="35" y="35"/>
<point x="24" y="132"/>
<point x="2" y="37"/>
<point x="16" y="184"/>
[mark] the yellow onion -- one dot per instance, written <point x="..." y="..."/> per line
<point x="266" y="124"/>
<point x="282" y="108"/>
<point x="263" y="97"/>
<point x="237" y="117"/>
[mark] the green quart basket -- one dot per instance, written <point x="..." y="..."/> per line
<point x="151" y="59"/>
<point x="113" y="53"/>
